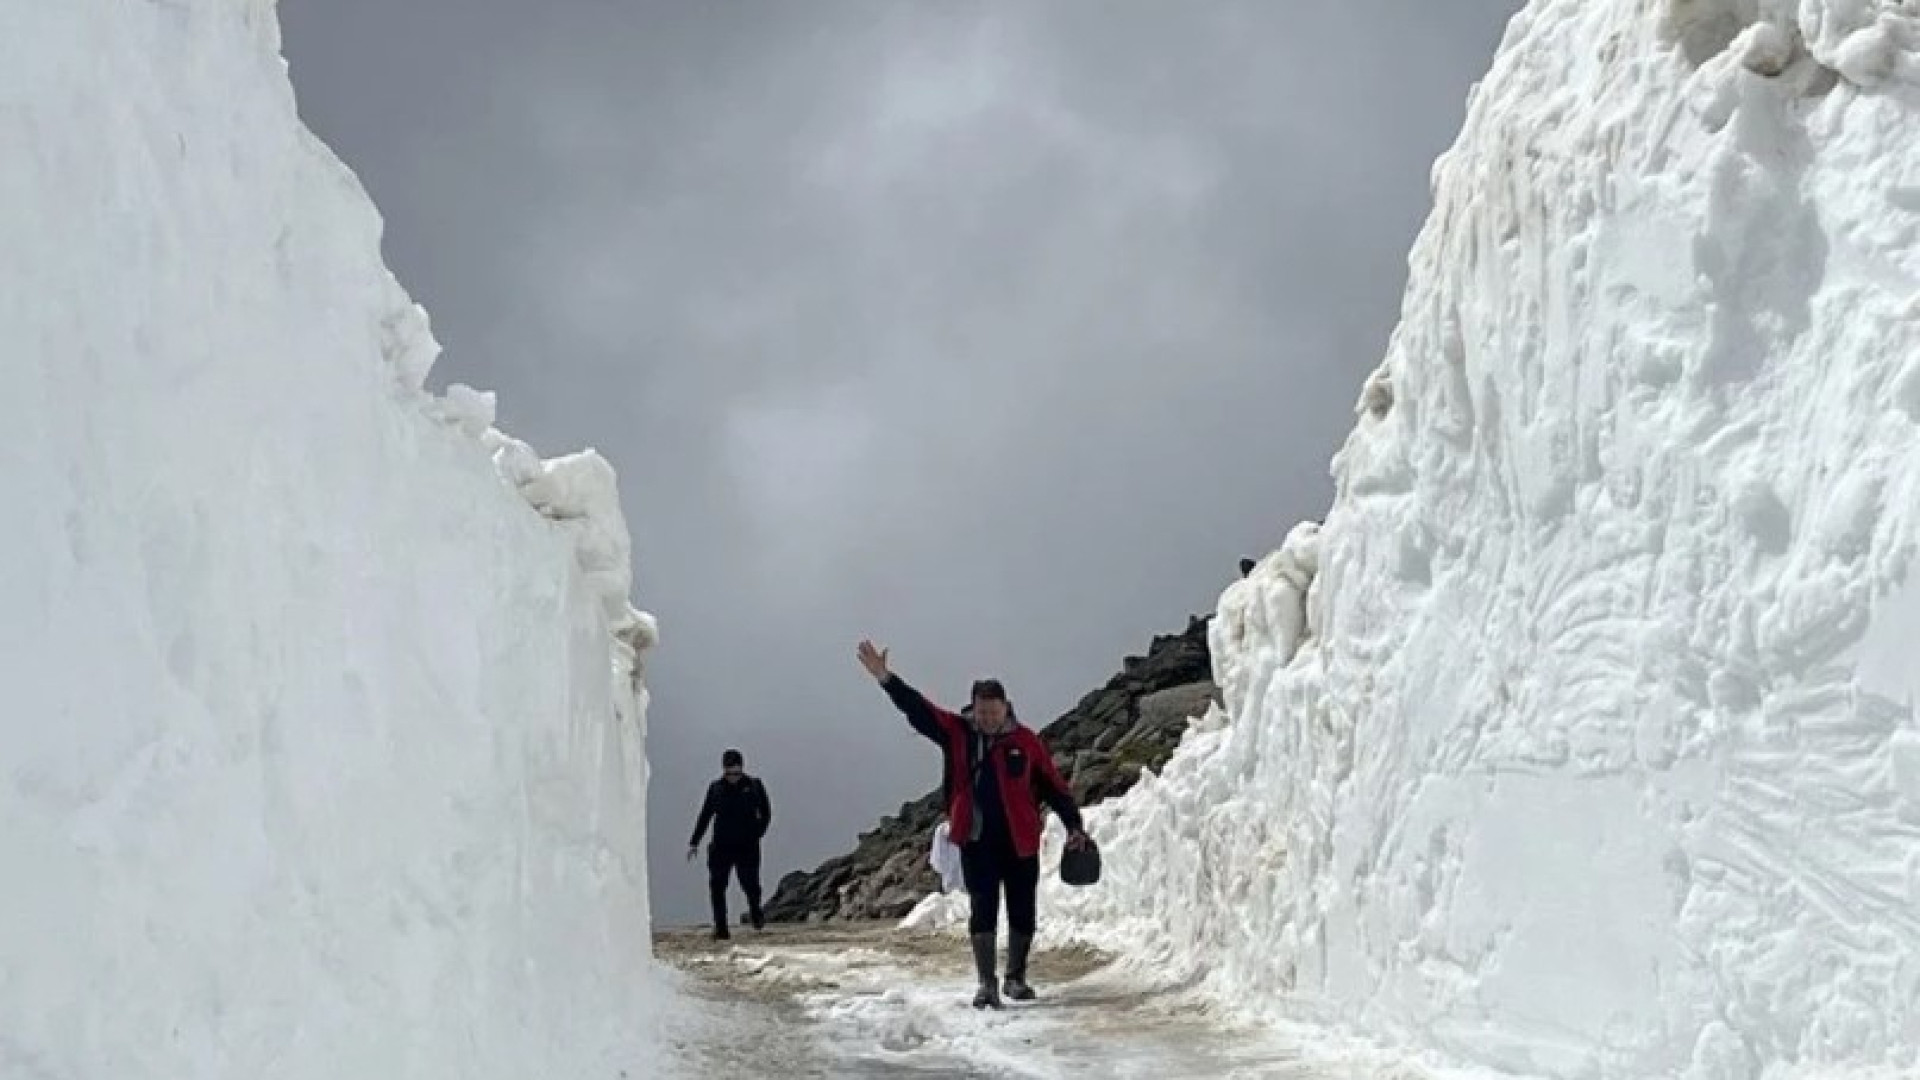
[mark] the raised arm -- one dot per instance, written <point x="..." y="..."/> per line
<point x="926" y="718"/>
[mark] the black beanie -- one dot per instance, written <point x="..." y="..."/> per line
<point x="731" y="757"/>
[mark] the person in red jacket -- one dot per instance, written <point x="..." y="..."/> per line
<point x="996" y="771"/>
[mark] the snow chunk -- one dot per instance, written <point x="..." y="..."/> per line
<point x="1765" y="49"/>
<point x="466" y="408"/>
<point x="1869" y="42"/>
<point x="1262" y="618"/>
<point x="517" y="462"/>
<point x="581" y="493"/>
<point x="1705" y="29"/>
<point x="1376" y="395"/>
<point x="406" y="341"/>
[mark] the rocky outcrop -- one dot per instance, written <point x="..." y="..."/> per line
<point x="1101" y="744"/>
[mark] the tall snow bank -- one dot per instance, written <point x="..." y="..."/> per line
<point x="322" y="747"/>
<point x="1579" y="741"/>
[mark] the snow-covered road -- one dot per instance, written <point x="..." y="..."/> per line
<point x="871" y="1001"/>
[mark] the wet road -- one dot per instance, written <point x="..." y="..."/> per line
<point x="868" y="1001"/>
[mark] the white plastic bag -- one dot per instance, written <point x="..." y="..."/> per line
<point x="945" y="858"/>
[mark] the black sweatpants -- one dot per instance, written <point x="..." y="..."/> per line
<point x="741" y="860"/>
<point x="988" y="865"/>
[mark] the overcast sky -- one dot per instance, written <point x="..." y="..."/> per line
<point x="996" y="331"/>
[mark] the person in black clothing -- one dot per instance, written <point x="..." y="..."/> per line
<point x="738" y="807"/>
<point x="1246" y="567"/>
<point x="996" y="773"/>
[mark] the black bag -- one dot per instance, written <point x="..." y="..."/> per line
<point x="1082" y="867"/>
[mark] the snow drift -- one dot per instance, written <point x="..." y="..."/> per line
<point x="1579" y="740"/>
<point x="322" y="753"/>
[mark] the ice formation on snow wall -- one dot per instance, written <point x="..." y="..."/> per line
<point x="1579" y="739"/>
<point x="322" y="754"/>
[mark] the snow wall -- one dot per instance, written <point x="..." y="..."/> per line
<point x="1579" y="739"/>
<point x="322" y="747"/>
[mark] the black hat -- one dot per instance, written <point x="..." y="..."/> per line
<point x="731" y="757"/>
<point x="989" y="689"/>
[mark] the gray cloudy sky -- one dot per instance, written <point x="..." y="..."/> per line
<point x="997" y="331"/>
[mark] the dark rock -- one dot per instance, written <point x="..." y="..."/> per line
<point x="1133" y="722"/>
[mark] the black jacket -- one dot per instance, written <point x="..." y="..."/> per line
<point x="740" y="812"/>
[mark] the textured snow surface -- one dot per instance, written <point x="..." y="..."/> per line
<point x="322" y="747"/>
<point x="1579" y="740"/>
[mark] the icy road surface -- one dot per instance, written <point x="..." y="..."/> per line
<point x="867" y="1000"/>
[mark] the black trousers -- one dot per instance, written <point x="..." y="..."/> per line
<point x="741" y="860"/>
<point x="989" y="865"/>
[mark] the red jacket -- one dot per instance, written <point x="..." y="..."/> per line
<point x="1024" y="769"/>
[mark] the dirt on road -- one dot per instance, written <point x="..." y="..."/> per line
<point x="737" y="965"/>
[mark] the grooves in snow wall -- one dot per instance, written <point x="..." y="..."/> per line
<point x="1579" y="740"/>
<point x="322" y="747"/>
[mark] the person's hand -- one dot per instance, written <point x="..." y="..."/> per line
<point x="874" y="660"/>
<point x="693" y="851"/>
<point x="1077" y="840"/>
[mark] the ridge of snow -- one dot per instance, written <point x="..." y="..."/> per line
<point x="325" y="748"/>
<point x="1579" y="740"/>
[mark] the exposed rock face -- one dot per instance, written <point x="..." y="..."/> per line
<point x="1101" y="744"/>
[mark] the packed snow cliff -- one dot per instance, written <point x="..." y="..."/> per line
<point x="322" y="754"/>
<point x="1579" y="739"/>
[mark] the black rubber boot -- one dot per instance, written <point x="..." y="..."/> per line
<point x="1016" y="988"/>
<point x="720" y="919"/>
<point x="988" y="996"/>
